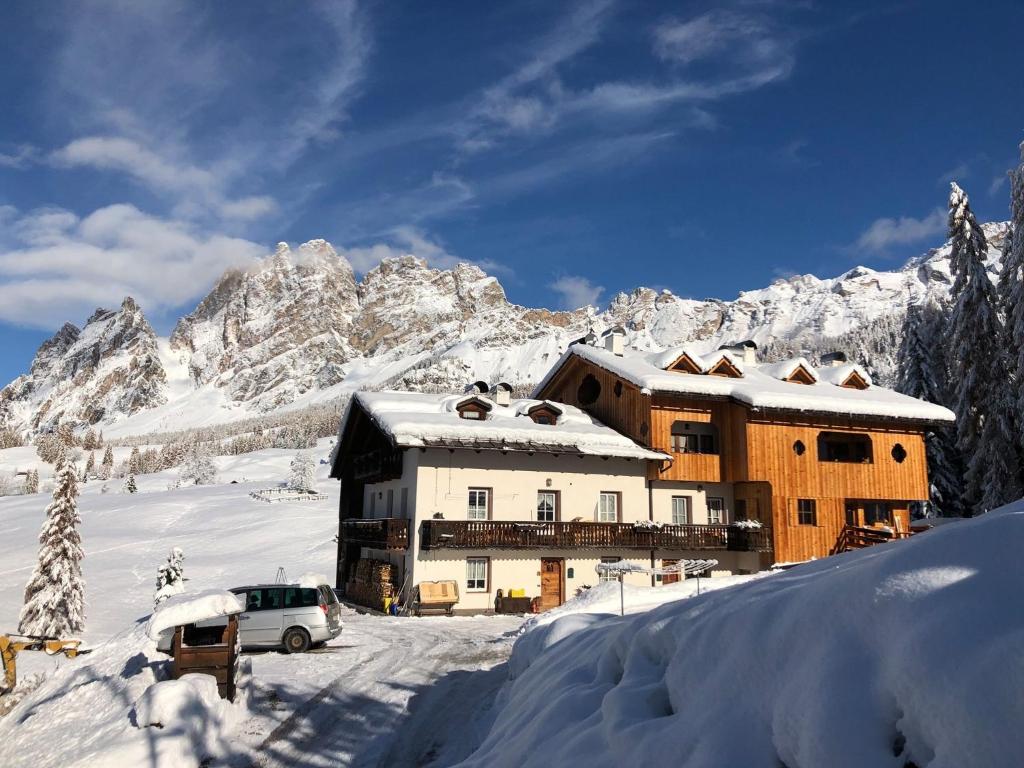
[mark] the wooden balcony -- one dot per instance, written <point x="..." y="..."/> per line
<point x="386" y="533"/>
<point x="492" y="534"/>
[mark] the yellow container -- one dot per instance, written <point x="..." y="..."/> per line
<point x="517" y="593"/>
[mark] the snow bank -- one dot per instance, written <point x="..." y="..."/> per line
<point x="190" y="608"/>
<point x="117" y="707"/>
<point x="911" y="651"/>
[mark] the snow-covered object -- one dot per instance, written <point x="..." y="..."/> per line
<point x="199" y="467"/>
<point x="784" y="369"/>
<point x="302" y="472"/>
<point x="55" y="594"/>
<point x="838" y="374"/>
<point x="188" y="702"/>
<point x="896" y="654"/>
<point x="413" y="419"/>
<point x="190" y="608"/>
<point x="312" y="580"/>
<point x="761" y="386"/>
<point x="170" y="579"/>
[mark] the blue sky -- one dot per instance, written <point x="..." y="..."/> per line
<point x="573" y="149"/>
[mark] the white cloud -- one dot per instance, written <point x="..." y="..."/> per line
<point x="576" y="291"/>
<point x="411" y="241"/>
<point x="20" y="157"/>
<point x="996" y="185"/>
<point x="905" y="230"/>
<point x="63" y="266"/>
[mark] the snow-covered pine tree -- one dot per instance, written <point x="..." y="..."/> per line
<point x="135" y="462"/>
<point x="55" y="594"/>
<point x="302" y="472"/>
<point x="129" y="484"/>
<point x="198" y="468"/>
<point x="107" y="467"/>
<point x="1011" y="297"/>
<point x="90" y="464"/>
<point x="170" y="579"/>
<point x="924" y="373"/>
<point x="89" y="440"/>
<point x="32" y="481"/>
<point x="985" y="434"/>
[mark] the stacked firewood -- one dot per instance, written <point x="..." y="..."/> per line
<point x="371" y="583"/>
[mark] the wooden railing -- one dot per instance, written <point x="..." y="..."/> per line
<point x="493" y="534"/>
<point x="857" y="537"/>
<point x="386" y="533"/>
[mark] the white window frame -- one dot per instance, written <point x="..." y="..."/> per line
<point x="473" y="509"/>
<point x="475" y="566"/>
<point x="686" y="502"/>
<point x="602" y="513"/>
<point x="721" y="517"/>
<point x="603" y="576"/>
<point x="554" y="506"/>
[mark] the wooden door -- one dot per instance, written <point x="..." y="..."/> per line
<point x="669" y="578"/>
<point x="551" y="595"/>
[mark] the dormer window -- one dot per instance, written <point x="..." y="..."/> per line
<point x="685" y="364"/>
<point x="724" y="367"/>
<point x="474" y="408"/>
<point x="801" y="376"/>
<point x="544" y="414"/>
<point x="854" y="381"/>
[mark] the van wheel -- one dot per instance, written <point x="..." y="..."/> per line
<point x="296" y="640"/>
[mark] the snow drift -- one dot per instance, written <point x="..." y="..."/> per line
<point x="906" y="653"/>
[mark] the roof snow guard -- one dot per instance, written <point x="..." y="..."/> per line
<point x="413" y="419"/>
<point x="791" y="385"/>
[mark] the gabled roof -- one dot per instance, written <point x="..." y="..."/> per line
<point x="413" y="419"/>
<point x="763" y="386"/>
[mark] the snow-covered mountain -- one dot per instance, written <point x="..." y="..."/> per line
<point x="298" y="328"/>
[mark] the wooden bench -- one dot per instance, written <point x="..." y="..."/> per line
<point x="436" y="595"/>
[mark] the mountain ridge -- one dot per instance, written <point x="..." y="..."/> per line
<point x="297" y="327"/>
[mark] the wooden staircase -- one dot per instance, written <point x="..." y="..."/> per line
<point x="858" y="537"/>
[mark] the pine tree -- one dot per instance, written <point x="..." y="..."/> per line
<point x="129" y="484"/>
<point x="107" y="467"/>
<point x="924" y="373"/>
<point x="985" y="434"/>
<point x="32" y="481"/>
<point x="1011" y="294"/>
<point x="55" y="594"/>
<point x="198" y="468"/>
<point x="302" y="475"/>
<point x="135" y="462"/>
<point x="170" y="579"/>
<point x="90" y="464"/>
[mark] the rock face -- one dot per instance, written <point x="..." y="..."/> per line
<point x="109" y="368"/>
<point x="298" y="322"/>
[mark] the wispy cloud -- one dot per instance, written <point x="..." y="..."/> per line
<point x="997" y="184"/>
<point x="411" y="241"/>
<point x="62" y="266"/>
<point x="905" y="230"/>
<point x="576" y="291"/>
<point x="20" y="156"/>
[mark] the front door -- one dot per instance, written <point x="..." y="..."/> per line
<point x="669" y="578"/>
<point x="551" y="583"/>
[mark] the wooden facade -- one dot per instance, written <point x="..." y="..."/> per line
<point x="772" y="459"/>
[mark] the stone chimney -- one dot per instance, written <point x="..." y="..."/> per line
<point x="744" y="350"/>
<point x="615" y="340"/>
<point x="501" y="393"/>
<point x="834" y="359"/>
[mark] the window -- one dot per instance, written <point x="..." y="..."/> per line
<point x="404" y="503"/>
<point x="273" y="599"/>
<point x="851" y="513"/>
<point x="471" y="413"/>
<point x="608" y="507"/>
<point x="618" y="389"/>
<point x="473" y="408"/>
<point x="741" y="509"/>
<point x="547" y="506"/>
<point x="716" y="510"/>
<point x="848" y="447"/>
<point x="877" y="513"/>
<point x="799" y="447"/>
<point x="899" y="453"/>
<point x="604" y="575"/>
<point x="806" y="512"/>
<point x="589" y="391"/>
<point x="391" y="502"/>
<point x="476" y="573"/>
<point x="681" y="507"/>
<point x="694" y="437"/>
<point x="300" y="598"/>
<point x="479" y="504"/>
<point x="544" y="414"/>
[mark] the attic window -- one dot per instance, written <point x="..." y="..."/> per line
<point x="854" y="381"/>
<point x="899" y="453"/>
<point x="475" y="409"/>
<point x="543" y="414"/>
<point x="725" y="368"/>
<point x="589" y="391"/>
<point x="684" y="364"/>
<point x="801" y="376"/>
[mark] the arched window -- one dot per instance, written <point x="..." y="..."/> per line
<point x="589" y="391"/>
<point x="847" y="447"/>
<point x="694" y="437"/>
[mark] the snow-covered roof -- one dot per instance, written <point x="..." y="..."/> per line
<point x="412" y="419"/>
<point x="188" y="609"/>
<point x="705" y="362"/>
<point x="762" y="386"/>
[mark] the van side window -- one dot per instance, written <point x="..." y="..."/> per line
<point x="272" y="599"/>
<point x="254" y="600"/>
